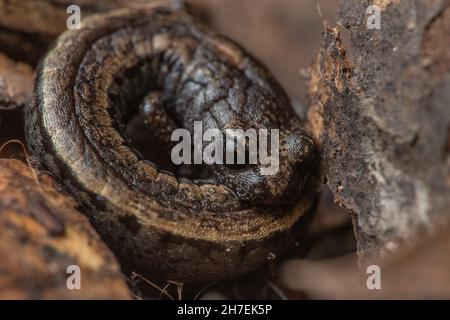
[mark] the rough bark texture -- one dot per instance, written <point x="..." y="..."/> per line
<point x="42" y="234"/>
<point x="382" y="119"/>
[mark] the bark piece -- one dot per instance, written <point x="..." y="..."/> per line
<point x="382" y="119"/>
<point x="42" y="234"/>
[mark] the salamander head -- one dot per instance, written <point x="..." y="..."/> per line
<point x="280" y="180"/>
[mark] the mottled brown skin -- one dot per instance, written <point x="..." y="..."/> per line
<point x="95" y="78"/>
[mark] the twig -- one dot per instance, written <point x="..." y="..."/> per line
<point x="136" y="275"/>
